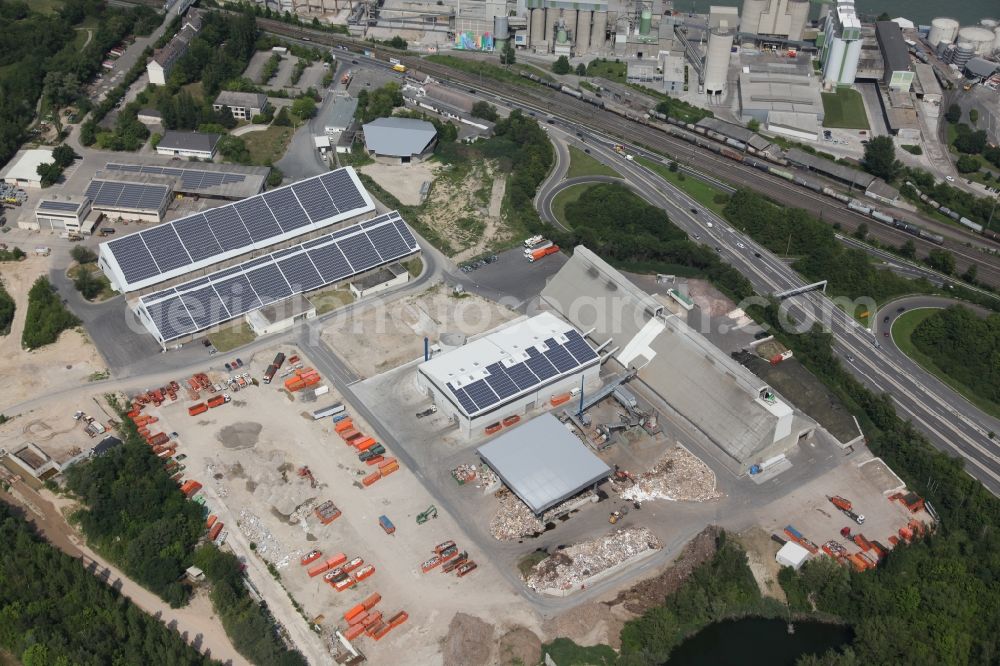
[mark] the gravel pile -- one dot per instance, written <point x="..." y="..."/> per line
<point x="569" y="568"/>
<point x="677" y="476"/>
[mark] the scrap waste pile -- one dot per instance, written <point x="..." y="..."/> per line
<point x="678" y="476"/>
<point x="572" y="566"/>
<point x="268" y="545"/>
<point x="514" y="520"/>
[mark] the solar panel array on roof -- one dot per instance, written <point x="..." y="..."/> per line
<point x="232" y="229"/>
<point x="229" y="293"/>
<point x="550" y="359"/>
<point x="135" y="196"/>
<point x="65" y="206"/>
<point x="192" y="180"/>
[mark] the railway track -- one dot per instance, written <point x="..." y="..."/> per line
<point x="610" y="124"/>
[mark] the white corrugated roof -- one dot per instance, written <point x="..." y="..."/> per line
<point x="398" y="137"/>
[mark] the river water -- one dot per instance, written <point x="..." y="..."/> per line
<point x="918" y="11"/>
<point x="757" y="642"/>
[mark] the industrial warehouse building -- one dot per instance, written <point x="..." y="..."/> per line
<point x="135" y="197"/>
<point x="201" y="179"/>
<point x="205" y="240"/>
<point x="22" y="170"/>
<point x="719" y="398"/>
<point x="399" y="140"/>
<point x="242" y="105"/>
<point x="508" y="371"/>
<point x="63" y="214"/>
<point x="188" y="144"/>
<point x="543" y="463"/>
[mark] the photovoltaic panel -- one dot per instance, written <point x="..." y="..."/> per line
<point x="331" y="262"/>
<point x="522" y="376"/>
<point x="258" y="219"/>
<point x="67" y="206"/>
<point x="388" y="241"/>
<point x="498" y="380"/>
<point x="151" y="196"/>
<point x="272" y="277"/>
<point x="315" y="200"/>
<point x="109" y="194"/>
<point x="171" y="318"/>
<point x="464" y="399"/>
<point x="579" y="348"/>
<point x="197" y="237"/>
<point x="405" y="233"/>
<point x="286" y="209"/>
<point x="359" y="252"/>
<point x="300" y="273"/>
<point x="131" y="196"/>
<point x="228" y="228"/>
<point x="541" y="366"/>
<point x="191" y="179"/>
<point x="269" y="283"/>
<point x="139" y="263"/>
<point x="342" y="190"/>
<point x="559" y="357"/>
<point x="205" y="307"/>
<point x="481" y="394"/>
<point x="166" y="247"/>
<point x="237" y="294"/>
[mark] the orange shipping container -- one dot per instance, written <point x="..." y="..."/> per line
<point x="371" y="478"/>
<point x="370" y="602"/>
<point x="511" y="420"/>
<point x="200" y="408"/>
<point x="492" y="428"/>
<point x="374" y="460"/>
<point x="211" y="521"/>
<point x="336" y="560"/>
<point x="365" y="444"/>
<point x="372" y="618"/>
<point x="215" y="401"/>
<point x="386" y="471"/>
<point x="559" y="399"/>
<point x="216" y="529"/>
<point x="353" y="612"/>
<point x="354" y="631"/>
<point x="318" y="569"/>
<point x="365" y="572"/>
<point x="343" y="425"/>
<point x="347" y="434"/>
<point x="398" y="619"/>
<point x="358" y="619"/>
<point x="387" y="462"/>
<point x="347" y="583"/>
<point x="381" y="632"/>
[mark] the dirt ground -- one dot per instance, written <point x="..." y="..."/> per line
<point x="71" y="360"/>
<point x="402" y="181"/>
<point x="761" y="550"/>
<point x="381" y="336"/>
<point x="248" y="453"/>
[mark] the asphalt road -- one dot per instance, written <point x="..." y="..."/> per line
<point x="951" y="423"/>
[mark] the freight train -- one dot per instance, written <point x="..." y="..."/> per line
<point x="954" y="214"/>
<point x="739" y="151"/>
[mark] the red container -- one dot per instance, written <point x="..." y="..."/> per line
<point x="211" y="521"/>
<point x="374" y="460"/>
<point x="318" y="569"/>
<point x="353" y="564"/>
<point x="559" y="399"/>
<point x="343" y="425"/>
<point x="371" y="478"/>
<point x="511" y="420"/>
<point x="347" y="434"/>
<point x="350" y="614"/>
<point x="372" y="618"/>
<point x="354" y="631"/>
<point x="365" y="444"/>
<point x="358" y="619"/>
<point x="216" y="401"/>
<point x="214" y="533"/>
<point x="200" y="408"/>
<point x="389" y="469"/>
<point x="336" y="560"/>
<point x="398" y="619"/>
<point x="493" y="428"/>
<point x="370" y="602"/>
<point x="387" y="462"/>
<point x="364" y="572"/>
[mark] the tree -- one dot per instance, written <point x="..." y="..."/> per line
<point x="304" y="107"/>
<point x="398" y="42"/>
<point x="861" y="232"/>
<point x="507" y="56"/>
<point x="967" y="164"/>
<point x="50" y="173"/>
<point x="880" y="159"/>
<point x="973" y="116"/>
<point x="275" y="177"/>
<point x="88" y="133"/>
<point x="561" y="66"/>
<point x="953" y="114"/>
<point x="673" y="166"/>
<point x="63" y="155"/>
<point x="47" y="317"/>
<point x="82" y="254"/>
<point x="941" y="260"/>
<point x="970" y="143"/>
<point x="971" y="273"/>
<point x="282" y="119"/>
<point x="883" y="17"/>
<point x="908" y="250"/>
<point x="753" y="124"/>
<point x="87" y="284"/>
<point x="485" y="110"/>
<point x="581" y="70"/>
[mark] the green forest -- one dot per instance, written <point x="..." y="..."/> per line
<point x="39" y="57"/>
<point x="53" y="612"/>
<point x="613" y="221"/>
<point x="794" y="232"/>
<point x="47" y="316"/>
<point x="7" y="308"/>
<point x="964" y="346"/>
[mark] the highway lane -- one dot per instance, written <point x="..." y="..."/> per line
<point x="951" y="422"/>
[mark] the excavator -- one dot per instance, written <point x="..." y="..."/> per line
<point x="617" y="515"/>
<point x="307" y="473"/>
<point x="427" y="514"/>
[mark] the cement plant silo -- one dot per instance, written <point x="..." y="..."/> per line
<point x="980" y="38"/>
<point x="599" y="31"/>
<point x="798" y="12"/>
<point x="720" y="42"/>
<point x="582" y="32"/>
<point x="551" y="19"/>
<point x="538" y="28"/>
<point x="501" y="32"/>
<point x="943" y="29"/>
<point x="569" y="21"/>
<point x="645" y="21"/>
<point x="963" y="54"/>
<point x="750" y="16"/>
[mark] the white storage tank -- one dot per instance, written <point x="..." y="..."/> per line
<point x="720" y="42"/>
<point x="989" y="24"/>
<point x="980" y="38"/>
<point x="943" y="29"/>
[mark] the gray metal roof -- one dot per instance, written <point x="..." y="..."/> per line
<point x="342" y="112"/>
<point x="894" y="51"/>
<point x="241" y="99"/>
<point x="398" y="137"/>
<point x="543" y="462"/>
<point x="174" y="140"/>
<point x="828" y="167"/>
<point x="980" y="67"/>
